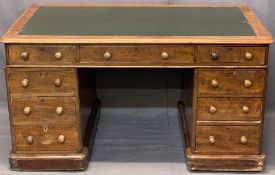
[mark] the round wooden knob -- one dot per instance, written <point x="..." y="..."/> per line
<point x="211" y="139"/>
<point x="107" y="55"/>
<point x="244" y="140"/>
<point x="25" y="82"/>
<point x="248" y="56"/>
<point x="24" y="55"/>
<point x="212" y="109"/>
<point x="59" y="110"/>
<point x="29" y="140"/>
<point x="61" y="139"/>
<point x="245" y="109"/>
<point x="57" y="82"/>
<point x="247" y="83"/>
<point x="27" y="110"/>
<point x="164" y="55"/>
<point x="214" y="83"/>
<point x="214" y="55"/>
<point x="58" y="55"/>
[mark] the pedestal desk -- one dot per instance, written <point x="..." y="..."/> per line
<point x="54" y="51"/>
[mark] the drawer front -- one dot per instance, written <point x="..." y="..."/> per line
<point x="231" y="81"/>
<point x="245" y="55"/>
<point x="32" y="54"/>
<point x="30" y="110"/>
<point x="29" y="81"/>
<point x="46" y="138"/>
<point x="229" y="109"/>
<point x="137" y="54"/>
<point x="228" y="139"/>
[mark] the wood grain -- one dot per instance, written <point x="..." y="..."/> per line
<point x="232" y="54"/>
<point x="145" y="54"/>
<point x="41" y="54"/>
<point x="229" y="109"/>
<point x="43" y="110"/>
<point x="231" y="81"/>
<point x="45" y="138"/>
<point x="227" y="139"/>
<point x="263" y="37"/>
<point x="41" y="81"/>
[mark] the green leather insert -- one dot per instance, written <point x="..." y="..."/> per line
<point x="138" y="21"/>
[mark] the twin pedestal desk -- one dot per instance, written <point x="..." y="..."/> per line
<point x="53" y="52"/>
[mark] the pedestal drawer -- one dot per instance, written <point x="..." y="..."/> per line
<point x="228" y="139"/>
<point x="32" y="110"/>
<point x="229" y="109"/>
<point x="39" y="138"/>
<point x="231" y="81"/>
<point x="41" y="80"/>
<point x="41" y="54"/>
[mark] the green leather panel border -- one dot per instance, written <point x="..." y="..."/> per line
<point x="138" y="21"/>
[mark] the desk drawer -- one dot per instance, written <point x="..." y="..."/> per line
<point x="41" y="80"/>
<point x="31" y="110"/>
<point x="228" y="139"/>
<point x="231" y="81"/>
<point x="146" y="54"/>
<point x="226" y="54"/>
<point x="41" y="54"/>
<point x="229" y="109"/>
<point x="39" y="138"/>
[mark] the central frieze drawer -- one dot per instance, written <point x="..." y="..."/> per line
<point x="37" y="138"/>
<point x="231" y="81"/>
<point x="41" y="54"/>
<point x="229" y="109"/>
<point x="228" y="139"/>
<point x="41" y="80"/>
<point x="156" y="54"/>
<point x="33" y="110"/>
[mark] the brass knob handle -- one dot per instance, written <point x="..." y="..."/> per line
<point x="61" y="139"/>
<point x="214" y="83"/>
<point x="25" y="82"/>
<point x="244" y="140"/>
<point x="59" y="110"/>
<point x="245" y="109"/>
<point x="57" y="82"/>
<point x="107" y="55"/>
<point x="212" y="109"/>
<point x="214" y="55"/>
<point x="211" y="139"/>
<point x="164" y="55"/>
<point x="248" y="56"/>
<point x="29" y="140"/>
<point x="247" y="83"/>
<point x="27" y="110"/>
<point x="24" y="55"/>
<point x="58" y="55"/>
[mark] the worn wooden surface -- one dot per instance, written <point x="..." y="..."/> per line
<point x="43" y="110"/>
<point x="229" y="109"/>
<point x="262" y="35"/>
<point x="147" y="54"/>
<point x="41" y="81"/>
<point x="230" y="54"/>
<point x="231" y="81"/>
<point x="42" y="54"/>
<point x="227" y="139"/>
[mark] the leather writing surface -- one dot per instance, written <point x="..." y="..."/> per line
<point x="138" y="21"/>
